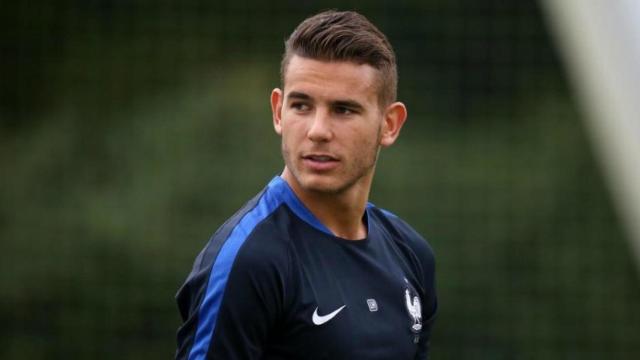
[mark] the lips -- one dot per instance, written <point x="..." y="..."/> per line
<point x="320" y="158"/>
<point x="320" y="162"/>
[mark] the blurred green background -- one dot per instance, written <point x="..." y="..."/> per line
<point x="130" y="130"/>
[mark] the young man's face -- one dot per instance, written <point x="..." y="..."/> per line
<point x="332" y="125"/>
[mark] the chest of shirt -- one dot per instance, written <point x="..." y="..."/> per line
<point x="350" y="302"/>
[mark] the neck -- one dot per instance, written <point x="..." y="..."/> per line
<point x="341" y="212"/>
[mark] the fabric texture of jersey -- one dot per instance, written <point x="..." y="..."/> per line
<point x="274" y="283"/>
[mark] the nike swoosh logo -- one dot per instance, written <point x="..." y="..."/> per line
<point x="319" y="320"/>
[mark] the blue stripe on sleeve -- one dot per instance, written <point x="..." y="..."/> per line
<point x="277" y="192"/>
<point x="208" y="313"/>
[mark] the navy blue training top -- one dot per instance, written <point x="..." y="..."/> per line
<point x="274" y="283"/>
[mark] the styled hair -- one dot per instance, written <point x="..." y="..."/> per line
<point x="345" y="36"/>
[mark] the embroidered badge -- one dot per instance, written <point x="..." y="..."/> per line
<point x="412" y="301"/>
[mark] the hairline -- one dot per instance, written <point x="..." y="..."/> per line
<point x="379" y="81"/>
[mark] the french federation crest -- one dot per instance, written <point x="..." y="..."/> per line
<point x="413" y="307"/>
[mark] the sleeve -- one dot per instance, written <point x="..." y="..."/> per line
<point x="235" y="308"/>
<point x="426" y="258"/>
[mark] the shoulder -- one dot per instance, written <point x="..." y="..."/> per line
<point x="400" y="228"/>
<point x="247" y="236"/>
<point x="248" y="224"/>
<point x="404" y="234"/>
<point x="246" y="240"/>
<point x="243" y="263"/>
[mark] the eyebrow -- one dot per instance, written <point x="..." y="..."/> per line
<point x="298" y="95"/>
<point x="334" y="103"/>
<point x="351" y="104"/>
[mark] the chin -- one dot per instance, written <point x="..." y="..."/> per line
<point x="321" y="184"/>
<point x="317" y="183"/>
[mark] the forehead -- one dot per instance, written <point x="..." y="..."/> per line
<point x="331" y="79"/>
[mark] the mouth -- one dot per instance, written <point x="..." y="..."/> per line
<point x="319" y="158"/>
<point x="320" y="162"/>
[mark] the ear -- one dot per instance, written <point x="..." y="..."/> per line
<point x="394" y="117"/>
<point x="276" y="109"/>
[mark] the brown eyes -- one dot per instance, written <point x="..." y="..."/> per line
<point x="338" y="110"/>
<point x="300" y="106"/>
<point x="341" y="110"/>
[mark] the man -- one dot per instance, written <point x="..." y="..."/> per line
<point x="309" y="269"/>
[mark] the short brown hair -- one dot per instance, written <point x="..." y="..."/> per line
<point x="345" y="36"/>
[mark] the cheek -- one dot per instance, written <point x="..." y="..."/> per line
<point x="293" y="130"/>
<point x="368" y="137"/>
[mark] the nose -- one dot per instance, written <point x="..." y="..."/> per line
<point x="320" y="128"/>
